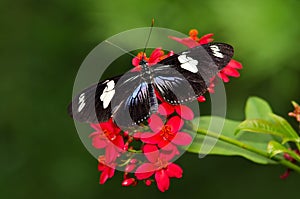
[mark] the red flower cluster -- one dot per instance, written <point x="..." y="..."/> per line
<point x="160" y="141"/>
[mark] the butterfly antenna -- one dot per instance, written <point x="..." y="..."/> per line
<point x="151" y="27"/>
<point x="122" y="49"/>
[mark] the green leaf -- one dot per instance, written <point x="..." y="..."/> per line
<point x="228" y="143"/>
<point x="260" y="126"/>
<point x="257" y="108"/>
<point x="275" y="148"/>
<point x="289" y="134"/>
<point x="279" y="128"/>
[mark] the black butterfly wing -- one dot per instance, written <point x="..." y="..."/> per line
<point x="173" y="86"/>
<point x="125" y="98"/>
<point x="176" y="75"/>
<point x="132" y="104"/>
<point x="92" y="105"/>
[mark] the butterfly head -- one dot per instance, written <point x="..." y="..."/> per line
<point x="143" y="62"/>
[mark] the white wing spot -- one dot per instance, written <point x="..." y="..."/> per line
<point x="81" y="102"/>
<point x="108" y="93"/>
<point x="188" y="63"/>
<point x="216" y="51"/>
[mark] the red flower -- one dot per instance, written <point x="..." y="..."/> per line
<point x="167" y="109"/>
<point x="192" y="41"/>
<point x="157" y="55"/>
<point x="184" y="111"/>
<point x="166" y="134"/>
<point x="107" y="136"/>
<point x="230" y="70"/>
<point x="108" y="170"/>
<point x="159" y="166"/>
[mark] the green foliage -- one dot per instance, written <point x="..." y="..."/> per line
<point x="235" y="139"/>
<point x="275" y="148"/>
<point x="228" y="143"/>
<point x="257" y="108"/>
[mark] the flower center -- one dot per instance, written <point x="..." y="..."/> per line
<point x="110" y="135"/>
<point x="161" y="163"/>
<point x="166" y="133"/>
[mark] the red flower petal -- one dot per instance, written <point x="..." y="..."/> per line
<point x="185" y="112"/>
<point x="223" y="77"/>
<point x="101" y="167"/>
<point x="163" y="143"/>
<point x="173" y="170"/>
<point x="110" y="153"/>
<point x="150" y="138"/>
<point x="129" y="168"/>
<point x="128" y="182"/>
<point x="230" y="71"/>
<point x="201" y="99"/>
<point x="206" y="39"/>
<point x="104" y="176"/>
<point x="168" y="146"/>
<point x="185" y="41"/>
<point x="107" y="126"/>
<point x="110" y="126"/>
<point x="165" y="109"/>
<point x="235" y="64"/>
<point x="111" y="172"/>
<point x="135" y="61"/>
<point x="119" y="143"/>
<point x="169" y="155"/>
<point x="99" y="143"/>
<point x="144" y="171"/>
<point x="155" y="123"/>
<point x="182" y="138"/>
<point x="151" y="152"/>
<point x="155" y="56"/>
<point x="175" y="123"/>
<point x="162" y="180"/>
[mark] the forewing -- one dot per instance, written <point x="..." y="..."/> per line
<point x="125" y="98"/>
<point x="173" y="86"/>
<point x="93" y="104"/>
<point x="196" y="65"/>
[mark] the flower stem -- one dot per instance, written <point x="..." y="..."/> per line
<point x="250" y="148"/>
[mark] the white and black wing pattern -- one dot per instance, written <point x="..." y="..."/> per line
<point x="176" y="75"/>
<point x="134" y="102"/>
<point x="93" y="104"/>
<point x="129" y="99"/>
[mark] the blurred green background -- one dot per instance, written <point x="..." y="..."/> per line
<point x="42" y="46"/>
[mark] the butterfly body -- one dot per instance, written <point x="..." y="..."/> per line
<point x="130" y="98"/>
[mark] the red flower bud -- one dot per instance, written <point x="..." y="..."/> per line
<point x="129" y="168"/>
<point x="128" y="182"/>
<point x="148" y="182"/>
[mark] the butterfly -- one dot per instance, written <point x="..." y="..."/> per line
<point x="129" y="99"/>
